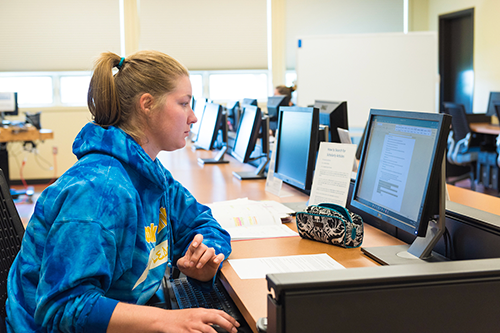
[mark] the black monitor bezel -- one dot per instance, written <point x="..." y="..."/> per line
<point x="493" y="99"/>
<point x="244" y="157"/>
<point x="249" y="101"/>
<point x="337" y="117"/>
<point x="312" y="150"/>
<point x="14" y="112"/>
<point x="429" y="207"/>
<point x="274" y="103"/>
<point x="207" y="140"/>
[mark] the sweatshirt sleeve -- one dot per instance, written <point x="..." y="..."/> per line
<point x="189" y="218"/>
<point x="77" y="271"/>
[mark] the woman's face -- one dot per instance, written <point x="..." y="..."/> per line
<point x="169" y="124"/>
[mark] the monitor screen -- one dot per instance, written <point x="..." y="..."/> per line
<point x="494" y="99"/>
<point x="400" y="169"/>
<point x="8" y="103"/>
<point x="209" y="126"/>
<point x="199" y="109"/>
<point x="334" y="115"/>
<point x="296" y="145"/>
<point x="247" y="134"/>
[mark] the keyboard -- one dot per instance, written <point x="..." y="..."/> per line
<point x="183" y="295"/>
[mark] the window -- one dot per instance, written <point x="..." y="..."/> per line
<point x="69" y="89"/>
<point x="73" y="90"/>
<point x="31" y="90"/>
<point x="238" y="86"/>
<point x="197" y="85"/>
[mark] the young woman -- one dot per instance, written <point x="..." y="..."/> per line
<point x="102" y="236"/>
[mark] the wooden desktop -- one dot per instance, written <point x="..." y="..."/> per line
<point x="211" y="183"/>
<point x="485" y="128"/>
<point x="25" y="133"/>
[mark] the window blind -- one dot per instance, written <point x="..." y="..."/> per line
<point x="56" y="35"/>
<point x="207" y="35"/>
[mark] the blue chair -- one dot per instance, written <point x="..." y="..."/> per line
<point x="460" y="151"/>
<point x="497" y="110"/>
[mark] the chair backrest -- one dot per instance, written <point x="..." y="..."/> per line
<point x="459" y="122"/>
<point x="11" y="234"/>
<point x="497" y="109"/>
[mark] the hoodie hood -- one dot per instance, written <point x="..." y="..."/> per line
<point x="115" y="142"/>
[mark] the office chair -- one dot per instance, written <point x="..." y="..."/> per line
<point x="460" y="151"/>
<point x="497" y="110"/>
<point x="11" y="234"/>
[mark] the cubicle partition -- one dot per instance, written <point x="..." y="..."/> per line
<point x="455" y="296"/>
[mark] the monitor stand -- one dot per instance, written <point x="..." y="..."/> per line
<point x="259" y="173"/>
<point x="218" y="159"/>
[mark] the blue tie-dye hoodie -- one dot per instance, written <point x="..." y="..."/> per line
<point x="104" y="232"/>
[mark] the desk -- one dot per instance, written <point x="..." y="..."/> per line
<point x="27" y="133"/>
<point x="210" y="183"/>
<point x="485" y="128"/>
<point x="15" y="133"/>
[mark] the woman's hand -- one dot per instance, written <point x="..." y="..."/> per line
<point x="200" y="261"/>
<point x="136" y="318"/>
<point x="200" y="320"/>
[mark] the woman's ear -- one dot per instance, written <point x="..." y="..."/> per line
<point x="146" y="102"/>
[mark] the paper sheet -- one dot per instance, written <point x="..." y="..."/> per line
<point x="248" y="219"/>
<point x="257" y="268"/>
<point x="332" y="175"/>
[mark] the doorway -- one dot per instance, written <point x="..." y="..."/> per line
<point x="456" y="58"/>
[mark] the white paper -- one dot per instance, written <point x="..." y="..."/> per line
<point x="264" y="231"/>
<point x="332" y="175"/>
<point x="248" y="219"/>
<point x="346" y="138"/>
<point x="257" y="268"/>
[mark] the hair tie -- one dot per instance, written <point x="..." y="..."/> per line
<point x="119" y="66"/>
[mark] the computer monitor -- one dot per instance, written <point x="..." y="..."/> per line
<point x="333" y="114"/>
<point x="248" y="101"/>
<point x="401" y="180"/>
<point x="494" y="98"/>
<point x="251" y="125"/>
<point x="199" y="109"/>
<point x="297" y="142"/>
<point x="233" y="114"/>
<point x="209" y="126"/>
<point x="213" y="128"/>
<point x="273" y="105"/>
<point x="8" y="104"/>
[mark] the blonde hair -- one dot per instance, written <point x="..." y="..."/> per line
<point x="113" y="99"/>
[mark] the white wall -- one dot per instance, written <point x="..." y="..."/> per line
<point x="327" y="17"/>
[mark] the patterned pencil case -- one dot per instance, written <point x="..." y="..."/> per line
<point x="332" y="224"/>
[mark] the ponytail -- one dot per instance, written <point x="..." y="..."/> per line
<point x="102" y="98"/>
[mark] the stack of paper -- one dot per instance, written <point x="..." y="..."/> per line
<point x="248" y="219"/>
